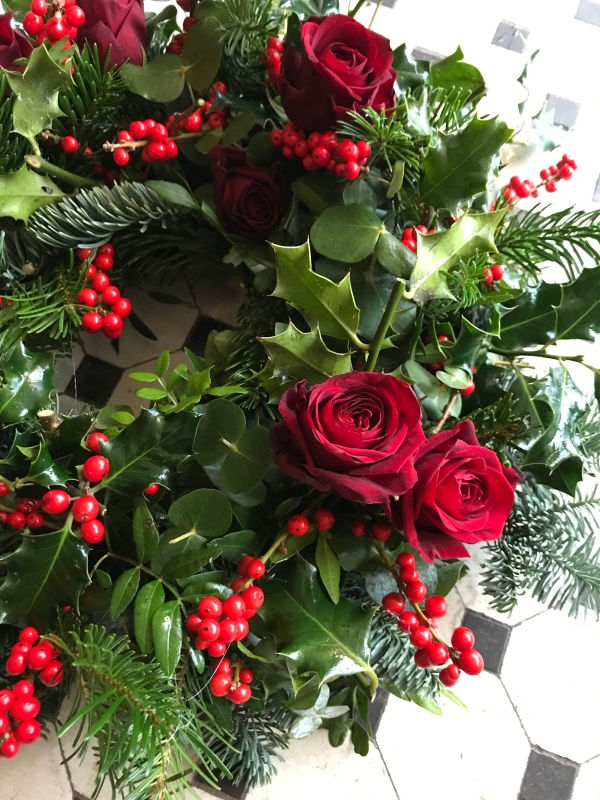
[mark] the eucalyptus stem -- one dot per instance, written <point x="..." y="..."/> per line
<point x="386" y="321"/>
<point x="357" y="8"/>
<point x="40" y="164"/>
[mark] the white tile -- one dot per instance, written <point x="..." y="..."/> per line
<point x="461" y="755"/>
<point x="313" y="768"/>
<point x="587" y="785"/>
<point x="546" y="672"/>
<point x="36" y="772"/>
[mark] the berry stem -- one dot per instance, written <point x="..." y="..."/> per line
<point x="180" y="116"/>
<point x="446" y="414"/>
<point x="112" y="146"/>
<point x="383" y="327"/>
<point x="79" y="182"/>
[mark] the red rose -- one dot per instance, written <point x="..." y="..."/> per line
<point x="118" y="24"/>
<point x="342" y="66"/>
<point x="463" y="494"/>
<point x="12" y="44"/>
<point x="249" y="200"/>
<point x="355" y="433"/>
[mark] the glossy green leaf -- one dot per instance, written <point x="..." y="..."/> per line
<point x="397" y="179"/>
<point x="151" y="394"/>
<point x="329" y="568"/>
<point x="359" y="738"/>
<point x="124" y="590"/>
<point x="237" y="544"/>
<point x="145" y="532"/>
<point x="201" y="53"/>
<point x="25" y="384"/>
<point x="439" y="252"/>
<point x="222" y="424"/>
<point x="203" y="512"/>
<point x="532" y="319"/>
<point x="346" y="233"/>
<point x="428" y="703"/>
<point x="318" y="190"/>
<point x="163" y="361"/>
<point x="293" y="545"/>
<point x="167" y="633"/>
<point x="304" y="356"/>
<point x="462" y="164"/>
<point x="394" y="256"/>
<point x="162" y="79"/>
<point x="352" y="551"/>
<point x="312" y="633"/>
<point x="24" y="192"/>
<point x="448" y="574"/>
<point x="325" y="304"/>
<point x="147" y="602"/>
<point x="578" y="315"/>
<point x="103" y="579"/>
<point x="45" y="471"/>
<point x="15" y="459"/>
<point x="453" y="72"/>
<point x="129" y="453"/>
<point x="174" y="193"/>
<point x="359" y="192"/>
<point x="46" y="571"/>
<point x="180" y="555"/>
<point x="238" y="127"/>
<point x="410" y="73"/>
<point x="247" y="462"/>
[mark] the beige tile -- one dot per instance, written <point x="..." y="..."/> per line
<point x="36" y="772"/>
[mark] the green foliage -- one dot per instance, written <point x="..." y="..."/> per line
<point x="498" y="423"/>
<point x="24" y="192"/>
<point x="12" y="146"/>
<point x="25" y="385"/>
<point x="244" y="25"/>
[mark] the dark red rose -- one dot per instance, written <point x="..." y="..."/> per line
<point x="463" y="494"/>
<point x="249" y="200"/>
<point x="342" y="66"/>
<point x="118" y="24"/>
<point x="12" y="44"/>
<point x="355" y="433"/>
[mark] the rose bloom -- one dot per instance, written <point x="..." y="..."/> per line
<point x="355" y="433"/>
<point x="12" y="44"/>
<point x="342" y="66"/>
<point x="463" y="494"/>
<point x="249" y="200"/>
<point x="118" y="24"/>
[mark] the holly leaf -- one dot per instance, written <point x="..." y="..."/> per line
<point x="346" y="233"/>
<point x="47" y="571"/>
<point x="124" y="591"/>
<point x="410" y="73"/>
<point x="532" y="319"/>
<point x="203" y="512"/>
<point x="25" y="385"/>
<point x="167" y="633"/>
<point x="462" y="164"/>
<point x="147" y="602"/>
<point x="36" y="92"/>
<point x="325" y="304"/>
<point x="145" y="533"/>
<point x="453" y="71"/>
<point x="24" y="192"/>
<point x="329" y="568"/>
<point x="312" y="633"/>
<point x="304" y="356"/>
<point x="45" y="471"/>
<point x="439" y="252"/>
<point x="578" y="315"/>
<point x="15" y="459"/>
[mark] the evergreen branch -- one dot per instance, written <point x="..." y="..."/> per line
<point x="565" y="237"/>
<point x="498" y="423"/>
<point x="465" y="284"/>
<point x="247" y="23"/>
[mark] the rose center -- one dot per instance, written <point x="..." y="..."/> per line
<point x="469" y="488"/>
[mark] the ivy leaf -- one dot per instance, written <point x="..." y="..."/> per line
<point x="168" y="636"/>
<point x="247" y="462"/>
<point x="329" y="568"/>
<point x="147" y="602"/>
<point x="161" y="79"/>
<point x="325" y="304"/>
<point x="145" y="533"/>
<point x="45" y="471"/>
<point x="346" y="233"/>
<point x="24" y="192"/>
<point x="203" y="512"/>
<point x="462" y="164"/>
<point x="46" y="571"/>
<point x="313" y="634"/>
<point x="36" y="92"/>
<point x="453" y="72"/>
<point x="304" y="356"/>
<point x="25" y="384"/>
<point x="439" y="252"/>
<point x="124" y="591"/>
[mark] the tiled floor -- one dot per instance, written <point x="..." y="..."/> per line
<point x="532" y="731"/>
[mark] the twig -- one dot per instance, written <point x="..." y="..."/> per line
<point x="446" y="414"/>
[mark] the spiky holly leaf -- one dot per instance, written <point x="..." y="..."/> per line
<point x="45" y="471"/>
<point x="325" y="304"/>
<point x="453" y="71"/>
<point x="304" y="356"/>
<point x="578" y="315"/>
<point x="439" y="252"/>
<point x="24" y="192"/>
<point x="25" y="384"/>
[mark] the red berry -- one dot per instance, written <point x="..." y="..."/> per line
<point x="193" y="123"/>
<point x="381" y="531"/>
<point x="220" y="684"/>
<point x="410" y="243"/>
<point x="256" y="569"/>
<point x="201" y="643"/>
<point x="469" y="388"/>
<point x="33" y="23"/>
<point x="192" y="623"/>
<point x="449" y="675"/>
<point x="328" y="140"/>
<point x="24" y="688"/>
<point x="100" y="282"/>
<point x="551" y="186"/>
<point x="28" y="732"/>
<point x="87" y="297"/>
<point x="4" y="489"/>
<point x="138" y="129"/>
<point x="437" y="653"/>
<point x="422" y="659"/>
<point x="151" y="489"/>
<point x="210" y="607"/>
<point x="38" y="657"/>
<point x="566" y="173"/>
<point x="273" y="55"/>
<point x="21" y="648"/>
<point x="225" y="665"/>
<point x="242" y="628"/>
<point x="276" y="137"/>
<point x="393" y="603"/>
<point x="463" y="639"/>
<point x="111" y="294"/>
<point x="471" y="662"/>
<point x="85" y="508"/>
<point x="408" y="621"/>
<point x="497" y="272"/>
<point x="237" y="583"/>
<point x="209" y="629"/>
<point x="234" y="606"/>
<point x="216" y="120"/>
<point x="253" y="597"/>
<point x="358" y="528"/>
<point x="96" y="468"/>
<point x="246" y="676"/>
<point x="408" y="574"/>
<point x="241" y="694"/>
<point x="53" y="673"/>
<point x="15" y="664"/>
<point x="104" y="262"/>
<point x="243" y="564"/>
<point x="229" y="630"/>
<point x="188" y="23"/>
<point x="545" y="174"/>
<point x="158" y="133"/>
<point x="351" y="171"/>
<point x="9" y="747"/>
<point x="323" y="519"/>
<point x="75" y="16"/>
<point x="25" y="504"/>
<point x="112" y="325"/>
<point x="301" y="148"/>
<point x="3" y="517"/>
<point x="217" y="649"/>
<point x="436" y="606"/>
<point x="55" y="501"/>
<point x="121" y="156"/>
<point x="155" y="151"/>
<point x="421" y="637"/>
<point x="298" y="525"/>
<point x="7" y="698"/>
<point x="287" y="152"/>
<point x="364" y="149"/>
<point x="348" y="151"/>
<point x="416" y="591"/>
<point x="92" y="531"/>
<point x="94" y="439"/>
<point x="91" y="322"/>
<point x="275" y="42"/>
<point x="16" y="520"/>
<point x="4" y="723"/>
<point x="39" y="7"/>
<point x="69" y="144"/>
<point x="314" y="141"/>
<point x="487" y="276"/>
<point x="29" y="635"/>
<point x="25" y="708"/>
<point x="309" y="164"/>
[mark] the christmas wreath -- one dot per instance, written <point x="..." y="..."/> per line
<point x="250" y="557"/>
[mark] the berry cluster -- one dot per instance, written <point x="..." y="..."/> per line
<point x="492" y="274"/>
<point x="176" y="44"/>
<point x="271" y="58"/>
<point x="249" y="568"/>
<point x="19" y="706"/>
<point x="231" y="681"/>
<point x="409" y="236"/>
<point x="419" y="624"/>
<point x="111" y="308"/>
<point x="298" y="525"/>
<point x="323" y="150"/>
<point x="53" y="20"/>
<point x="518" y="189"/>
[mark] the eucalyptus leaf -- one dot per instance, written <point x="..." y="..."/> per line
<point x="346" y="233"/>
<point x="247" y="462"/>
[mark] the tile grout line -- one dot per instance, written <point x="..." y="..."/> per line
<point x="510" y="700"/>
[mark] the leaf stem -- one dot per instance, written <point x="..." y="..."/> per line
<point x="446" y="414"/>
<point x="156" y="577"/>
<point x="512" y="354"/>
<point x="356" y="8"/>
<point x="386" y="320"/>
<point x="38" y="163"/>
<point x="379" y="2"/>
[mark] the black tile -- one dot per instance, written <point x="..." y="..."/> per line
<point x="228" y="790"/>
<point x="196" y="340"/>
<point x="94" y="381"/>
<point x="548" y="777"/>
<point x="511" y="37"/>
<point x="565" y="111"/>
<point x="491" y="638"/>
<point x="588" y="11"/>
<point x="421" y="54"/>
<point x="376" y="709"/>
